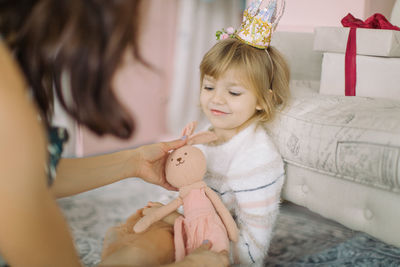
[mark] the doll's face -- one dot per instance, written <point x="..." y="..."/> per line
<point x="227" y="104"/>
<point x="185" y="166"/>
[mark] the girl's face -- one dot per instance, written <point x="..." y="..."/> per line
<point x="227" y="104"/>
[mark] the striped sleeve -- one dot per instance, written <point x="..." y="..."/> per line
<point x="256" y="182"/>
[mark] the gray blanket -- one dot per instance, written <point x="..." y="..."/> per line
<point x="90" y="214"/>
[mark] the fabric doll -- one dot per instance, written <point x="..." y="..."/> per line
<point x="205" y="216"/>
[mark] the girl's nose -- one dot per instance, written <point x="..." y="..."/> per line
<point x="218" y="98"/>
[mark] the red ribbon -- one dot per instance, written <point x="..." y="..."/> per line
<point x="376" y="21"/>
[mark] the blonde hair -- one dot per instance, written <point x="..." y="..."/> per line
<point x="255" y="68"/>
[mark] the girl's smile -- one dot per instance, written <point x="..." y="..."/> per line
<point x="218" y="112"/>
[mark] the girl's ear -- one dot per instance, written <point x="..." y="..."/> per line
<point x="189" y="128"/>
<point x="259" y="107"/>
<point x="202" y="138"/>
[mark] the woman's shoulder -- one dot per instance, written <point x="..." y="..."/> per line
<point x="9" y="71"/>
<point x="21" y="133"/>
<point x="12" y="86"/>
<point x="15" y="102"/>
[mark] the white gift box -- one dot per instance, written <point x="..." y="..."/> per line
<point x="376" y="76"/>
<point x="372" y="42"/>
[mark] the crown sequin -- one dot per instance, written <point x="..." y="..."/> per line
<point x="259" y="23"/>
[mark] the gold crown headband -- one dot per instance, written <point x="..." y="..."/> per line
<point x="260" y="20"/>
<point x="259" y="23"/>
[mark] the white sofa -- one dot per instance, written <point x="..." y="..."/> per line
<point x="342" y="154"/>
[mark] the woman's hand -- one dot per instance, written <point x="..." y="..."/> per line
<point x="202" y="257"/>
<point x="123" y="247"/>
<point x="148" y="162"/>
<point x="154" y="247"/>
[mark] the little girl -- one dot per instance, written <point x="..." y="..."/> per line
<point x="244" y="167"/>
<point x="243" y="82"/>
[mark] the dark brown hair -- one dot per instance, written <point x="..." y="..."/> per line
<point x="264" y="72"/>
<point x="74" y="47"/>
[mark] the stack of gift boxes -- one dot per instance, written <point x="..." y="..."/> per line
<point x="377" y="61"/>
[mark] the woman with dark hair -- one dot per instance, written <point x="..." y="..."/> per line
<point x="71" y="50"/>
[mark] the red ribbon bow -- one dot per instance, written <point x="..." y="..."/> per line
<point x="376" y="21"/>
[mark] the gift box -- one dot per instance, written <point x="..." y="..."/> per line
<point x="371" y="42"/>
<point x="376" y="76"/>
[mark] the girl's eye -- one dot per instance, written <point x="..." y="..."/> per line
<point x="172" y="159"/>
<point x="235" y="93"/>
<point x="208" y="88"/>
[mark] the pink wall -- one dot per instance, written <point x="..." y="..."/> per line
<point x="143" y="91"/>
<point x="304" y="15"/>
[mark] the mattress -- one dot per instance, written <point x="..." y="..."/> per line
<point x="345" y="152"/>
<point x="356" y="206"/>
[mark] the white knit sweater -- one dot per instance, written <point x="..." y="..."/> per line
<point x="247" y="172"/>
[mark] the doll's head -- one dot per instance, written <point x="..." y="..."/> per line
<point x="263" y="72"/>
<point x="187" y="165"/>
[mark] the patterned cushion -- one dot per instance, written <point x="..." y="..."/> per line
<point x="354" y="138"/>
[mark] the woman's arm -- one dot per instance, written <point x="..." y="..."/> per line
<point x="33" y="231"/>
<point x="76" y="175"/>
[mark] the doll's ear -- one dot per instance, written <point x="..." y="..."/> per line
<point x="202" y="138"/>
<point x="189" y="128"/>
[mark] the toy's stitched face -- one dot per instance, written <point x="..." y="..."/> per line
<point x="185" y="165"/>
<point x="179" y="160"/>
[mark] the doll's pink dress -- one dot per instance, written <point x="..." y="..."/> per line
<point x="200" y="222"/>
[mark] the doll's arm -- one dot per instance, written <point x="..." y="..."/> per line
<point x="223" y="212"/>
<point x="152" y="206"/>
<point x="157" y="215"/>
